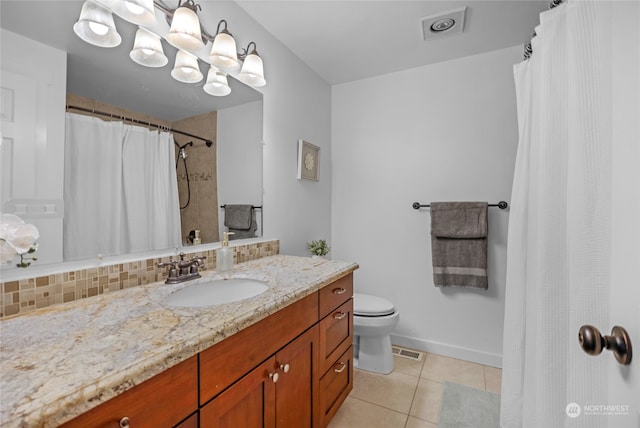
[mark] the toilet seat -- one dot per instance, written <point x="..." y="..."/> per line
<point x="365" y="305"/>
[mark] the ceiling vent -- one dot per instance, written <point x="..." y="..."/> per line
<point x="443" y="24"/>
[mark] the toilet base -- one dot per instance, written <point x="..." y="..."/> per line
<point x="374" y="354"/>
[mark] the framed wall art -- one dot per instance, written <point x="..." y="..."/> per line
<point x="308" y="161"/>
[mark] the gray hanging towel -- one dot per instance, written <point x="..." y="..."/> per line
<point x="245" y="233"/>
<point x="238" y="217"/>
<point x="459" y="244"/>
<point x="241" y="220"/>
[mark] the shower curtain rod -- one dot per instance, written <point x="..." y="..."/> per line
<point x="502" y="205"/>
<point x="141" y="122"/>
<point x="528" y="49"/>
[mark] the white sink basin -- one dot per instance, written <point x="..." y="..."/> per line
<point x="216" y="292"/>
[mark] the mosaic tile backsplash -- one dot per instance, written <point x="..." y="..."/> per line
<point x="27" y="295"/>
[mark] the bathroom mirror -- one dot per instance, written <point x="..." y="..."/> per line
<point x="110" y="76"/>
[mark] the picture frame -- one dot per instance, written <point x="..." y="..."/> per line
<point x="308" y="161"/>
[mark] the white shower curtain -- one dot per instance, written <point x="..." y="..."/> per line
<point x="559" y="252"/>
<point x="120" y="189"/>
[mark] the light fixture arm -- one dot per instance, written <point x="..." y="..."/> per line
<point x="224" y="30"/>
<point x="247" y="51"/>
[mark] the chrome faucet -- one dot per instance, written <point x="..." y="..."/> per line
<point x="183" y="270"/>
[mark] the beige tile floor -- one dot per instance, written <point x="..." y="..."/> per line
<point x="411" y="395"/>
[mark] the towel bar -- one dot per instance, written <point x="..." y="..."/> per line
<point x="252" y="206"/>
<point x="502" y="205"/>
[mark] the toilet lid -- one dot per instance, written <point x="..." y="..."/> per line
<point x="367" y="305"/>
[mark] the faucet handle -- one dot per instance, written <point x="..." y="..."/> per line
<point x="199" y="260"/>
<point x="170" y="263"/>
<point x="173" y="270"/>
<point x="196" y="263"/>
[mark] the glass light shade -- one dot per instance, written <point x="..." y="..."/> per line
<point x="147" y="49"/>
<point x="217" y="84"/>
<point x="223" y="52"/>
<point x="96" y="26"/>
<point x="252" y="72"/>
<point x="139" y="12"/>
<point x="186" y="68"/>
<point x="185" y="30"/>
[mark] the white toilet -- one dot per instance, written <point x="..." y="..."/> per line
<point x="374" y="318"/>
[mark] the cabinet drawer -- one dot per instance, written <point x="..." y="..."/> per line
<point x="335" y="294"/>
<point x="335" y="385"/>
<point x="336" y="334"/>
<point x="162" y="401"/>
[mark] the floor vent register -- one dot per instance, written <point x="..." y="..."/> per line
<point x="407" y="353"/>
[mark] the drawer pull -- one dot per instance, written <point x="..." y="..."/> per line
<point x="339" y="290"/>
<point x="124" y="422"/>
<point x="341" y="369"/>
<point x="284" y="368"/>
<point x="339" y="315"/>
<point x="274" y="377"/>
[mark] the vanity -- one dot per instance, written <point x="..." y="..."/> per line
<point x="128" y="359"/>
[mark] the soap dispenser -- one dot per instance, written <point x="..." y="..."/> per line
<point x="224" y="255"/>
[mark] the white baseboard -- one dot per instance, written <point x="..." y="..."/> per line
<point x="466" y="354"/>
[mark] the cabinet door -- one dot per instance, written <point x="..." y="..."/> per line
<point x="249" y="403"/>
<point x="190" y="422"/>
<point x="297" y="386"/>
<point x="162" y="401"/>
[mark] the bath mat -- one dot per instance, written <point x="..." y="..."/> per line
<point x="466" y="407"/>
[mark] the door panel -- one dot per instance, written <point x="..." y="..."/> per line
<point x="249" y="403"/>
<point x="296" y="385"/>
<point x="624" y="381"/>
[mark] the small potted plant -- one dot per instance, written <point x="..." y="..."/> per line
<point x="318" y="248"/>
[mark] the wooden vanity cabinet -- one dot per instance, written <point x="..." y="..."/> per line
<point x="162" y="401"/>
<point x="292" y="369"/>
<point x="314" y="372"/>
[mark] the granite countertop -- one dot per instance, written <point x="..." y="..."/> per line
<point x="61" y="361"/>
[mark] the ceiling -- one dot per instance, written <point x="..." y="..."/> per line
<point x="343" y="41"/>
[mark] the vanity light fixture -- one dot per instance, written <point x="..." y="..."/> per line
<point x="147" y="49"/>
<point x="185" y="27"/>
<point x="139" y="12"/>
<point x="223" y="52"/>
<point x="186" y="68"/>
<point x="96" y="26"/>
<point x="217" y="84"/>
<point x="252" y="72"/>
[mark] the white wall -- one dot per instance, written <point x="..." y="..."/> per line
<point x="239" y="142"/>
<point x="297" y="104"/>
<point x="445" y="132"/>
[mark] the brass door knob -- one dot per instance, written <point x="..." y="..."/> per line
<point x="592" y="342"/>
